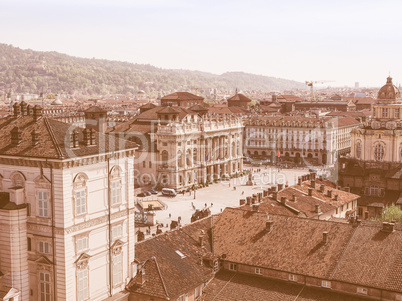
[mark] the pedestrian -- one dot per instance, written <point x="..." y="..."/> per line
<point x="242" y="192"/>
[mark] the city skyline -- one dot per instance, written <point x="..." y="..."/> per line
<point x="343" y="42"/>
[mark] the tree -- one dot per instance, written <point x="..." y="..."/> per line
<point x="391" y="213"/>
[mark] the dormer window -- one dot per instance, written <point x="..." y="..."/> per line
<point x="326" y="283"/>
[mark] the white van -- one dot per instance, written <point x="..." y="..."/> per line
<point x="169" y="192"/>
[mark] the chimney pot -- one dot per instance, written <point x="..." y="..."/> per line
<point x="312" y="175"/>
<point x="280" y="187"/>
<point x="336" y="197"/>
<point x="313" y="184"/>
<point x="299" y="181"/>
<point x="325" y="237"/>
<point x="294" y="198"/>
<point x="275" y="195"/>
<point x="317" y="208"/>
<point x="35" y="138"/>
<point x="255" y="207"/>
<point x="201" y="239"/>
<point x="16" y="136"/>
<point x="310" y="191"/>
<point x="269" y="225"/>
<point x="322" y="188"/>
<point x="329" y="193"/>
<point x="283" y="199"/>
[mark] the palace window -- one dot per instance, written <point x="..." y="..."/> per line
<point x="396" y="113"/>
<point x="82" y="284"/>
<point x="165" y="157"/>
<point x="358" y="150"/>
<point x="292" y="277"/>
<point x="183" y="298"/>
<point x="362" y="290"/>
<point x="384" y="112"/>
<point x="44" y="286"/>
<point x="379" y="152"/>
<point x="81" y="244"/>
<point x="117" y="231"/>
<point x="43" y="203"/>
<point x="44" y="247"/>
<point x="80" y="194"/>
<point x="80" y="201"/>
<point x="117" y="269"/>
<point x="258" y="271"/>
<point x="116" y="192"/>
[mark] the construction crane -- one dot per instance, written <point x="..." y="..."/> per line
<point x="312" y="83"/>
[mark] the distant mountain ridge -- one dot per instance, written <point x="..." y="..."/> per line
<point x="29" y="71"/>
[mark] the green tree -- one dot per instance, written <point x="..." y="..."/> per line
<point x="391" y="213"/>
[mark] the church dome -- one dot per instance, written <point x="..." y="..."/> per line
<point x="388" y="91"/>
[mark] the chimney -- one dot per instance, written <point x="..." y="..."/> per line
<point x="347" y="189"/>
<point x="269" y="225"/>
<point x="275" y="195"/>
<point x="322" y="188"/>
<point x="23" y="108"/>
<point x="17" y="110"/>
<point x="280" y="187"/>
<point x="329" y="193"/>
<point x="35" y="137"/>
<point x="310" y="191"/>
<point x="87" y="137"/>
<point x="283" y="200"/>
<point x="95" y="118"/>
<point x="255" y="207"/>
<point x="388" y="227"/>
<point x="242" y="202"/>
<point x="336" y="197"/>
<point x="325" y="237"/>
<point x="313" y="184"/>
<point x="201" y="240"/>
<point x="37" y="112"/>
<point x="74" y="139"/>
<point x="366" y="215"/>
<point x="140" y="277"/>
<point x="16" y="136"/>
<point x="317" y="208"/>
<point x="312" y="176"/>
<point x="294" y="198"/>
<point x="299" y="181"/>
<point x="29" y="110"/>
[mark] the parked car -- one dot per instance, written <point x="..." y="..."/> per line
<point x="153" y="191"/>
<point x="169" y="192"/>
<point x="141" y="195"/>
<point x="147" y="193"/>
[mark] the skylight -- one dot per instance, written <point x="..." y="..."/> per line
<point x="180" y="254"/>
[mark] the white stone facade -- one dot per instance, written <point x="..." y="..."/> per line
<point x="79" y="241"/>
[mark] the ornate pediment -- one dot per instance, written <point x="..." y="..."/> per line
<point x="117" y="247"/>
<point x="82" y="261"/>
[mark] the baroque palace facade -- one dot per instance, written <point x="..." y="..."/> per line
<point x="299" y="139"/>
<point x="375" y="165"/>
<point x="66" y="207"/>
<point x="182" y="146"/>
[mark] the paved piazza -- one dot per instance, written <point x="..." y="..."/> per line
<point x="220" y="195"/>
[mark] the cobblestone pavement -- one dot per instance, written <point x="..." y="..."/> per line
<point x="221" y="195"/>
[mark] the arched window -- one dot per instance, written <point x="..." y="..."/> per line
<point x="179" y="159"/>
<point x="358" y="150"/>
<point x="18" y="179"/>
<point x="188" y="157"/>
<point x="379" y="152"/>
<point x="165" y="157"/>
<point x="80" y="193"/>
<point x="115" y="185"/>
<point x="195" y="156"/>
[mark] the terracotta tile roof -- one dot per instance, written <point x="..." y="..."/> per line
<point x="294" y="245"/>
<point x="54" y="139"/>
<point x="229" y="286"/>
<point x="227" y="110"/>
<point x="239" y="98"/>
<point x="95" y="109"/>
<point x="153" y="285"/>
<point x="382" y="264"/>
<point x="182" y="96"/>
<point x="178" y="274"/>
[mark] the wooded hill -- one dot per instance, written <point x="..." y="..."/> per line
<point x="28" y="71"/>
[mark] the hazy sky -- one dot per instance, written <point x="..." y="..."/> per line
<point x="344" y="41"/>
